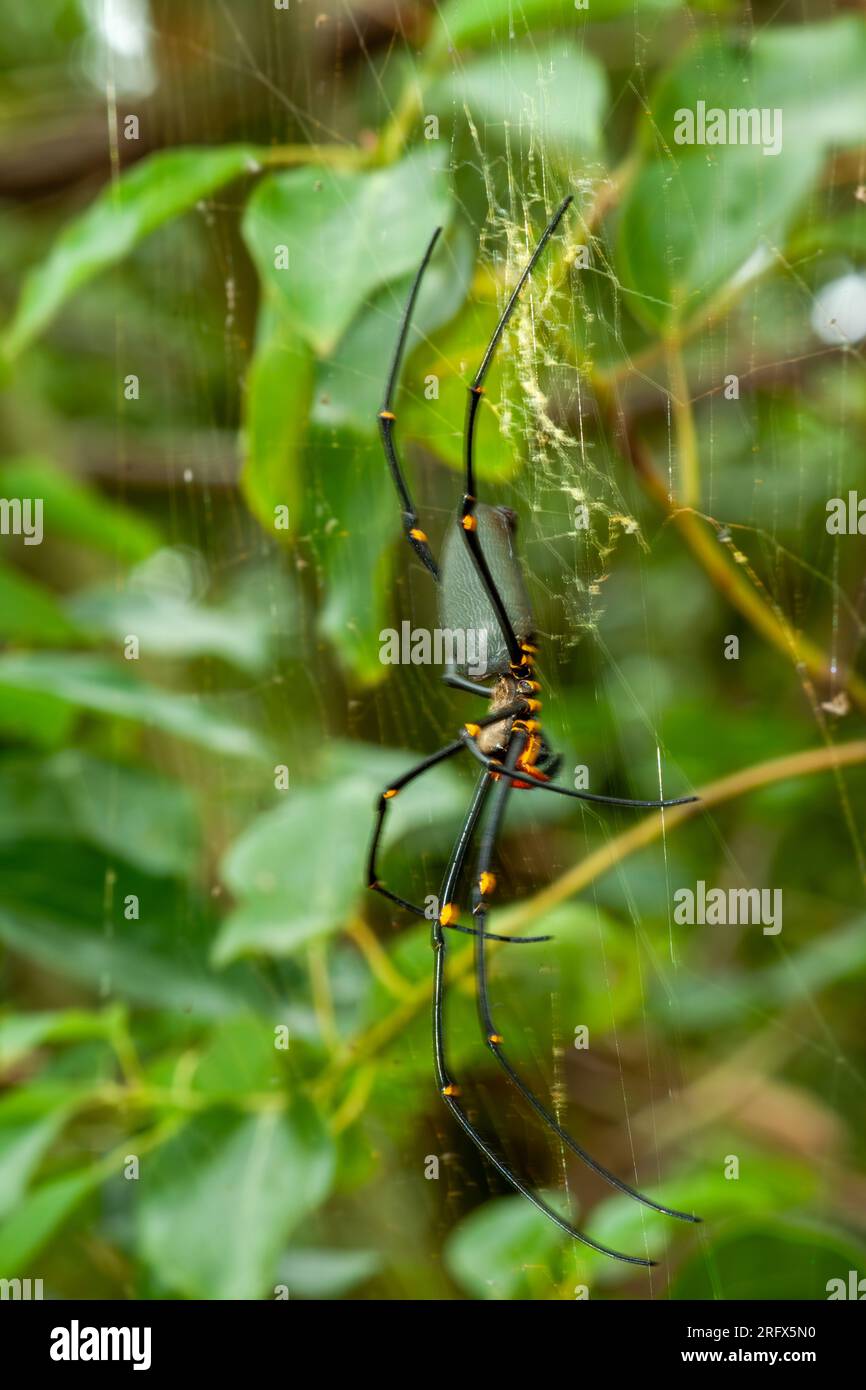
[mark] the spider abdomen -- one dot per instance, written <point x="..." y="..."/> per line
<point x="464" y="605"/>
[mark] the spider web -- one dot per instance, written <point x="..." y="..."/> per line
<point x="624" y="673"/>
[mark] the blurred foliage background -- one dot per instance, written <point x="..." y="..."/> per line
<point x="184" y="818"/>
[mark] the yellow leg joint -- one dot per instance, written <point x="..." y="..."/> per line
<point x="417" y="535"/>
<point x="451" y="1090"/>
<point x="495" y="1038"/>
<point x="487" y="882"/>
<point x="392" y="791"/>
<point x="449" y="914"/>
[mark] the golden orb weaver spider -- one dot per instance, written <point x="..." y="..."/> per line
<point x="481" y="580"/>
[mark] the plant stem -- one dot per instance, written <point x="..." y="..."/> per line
<point x="684" y="420"/>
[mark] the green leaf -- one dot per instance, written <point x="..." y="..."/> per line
<point x="767" y="1183"/>
<point x="217" y="1202"/>
<point x="30" y="612"/>
<point x="152" y="192"/>
<point x="812" y="73"/>
<point x="453" y="357"/>
<point x="462" y="23"/>
<point x="174" y="626"/>
<point x="293" y="884"/>
<point x="351" y="383"/>
<point x="23" y="1145"/>
<point x="556" y="96"/>
<point x="503" y="1250"/>
<point x="61" y="907"/>
<point x="240" y="1058"/>
<point x="276" y="406"/>
<point x="353" y="543"/>
<point x="40" y="1216"/>
<point x="144" y="818"/>
<point x="770" y="1259"/>
<point x="729" y="995"/>
<point x="718" y="219"/>
<point x="347" y="233"/>
<point x="78" y="512"/>
<point x="20" y="1033"/>
<point x="326" y="1273"/>
<point x="94" y="683"/>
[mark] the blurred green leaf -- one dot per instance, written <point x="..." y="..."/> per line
<point x="452" y="358"/>
<point x="468" y="22"/>
<point x="66" y="923"/>
<point x="348" y="232"/>
<point x="351" y="382"/>
<point x="20" y="1033"/>
<point x="298" y="869"/>
<point x="23" y="1145"/>
<point x="218" y="1201"/>
<point x="554" y="95"/>
<point x="40" y="1216"/>
<point x="152" y="192"/>
<point x="78" y="512"/>
<point x="103" y="686"/>
<point x="276" y="407"/>
<point x="169" y="625"/>
<point x="721" y="219"/>
<point x="146" y="819"/>
<point x="326" y="1273"/>
<point x="30" y="612"/>
<point x="240" y="1058"/>
<point x="503" y="1250"/>
<point x="729" y="995"/>
<point x="353" y="542"/>
<point x="813" y="73"/>
<point x="767" y="1183"/>
<point x="770" y="1259"/>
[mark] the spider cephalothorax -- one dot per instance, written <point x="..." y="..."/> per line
<point x="482" y="590"/>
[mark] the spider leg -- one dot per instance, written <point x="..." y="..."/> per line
<point x="484" y="885"/>
<point x="449" y="1091"/>
<point x="387" y="420"/>
<point x="384" y="798"/>
<point x="461" y="683"/>
<point x="463" y="842"/>
<point x="494" y="766"/>
<point x="476" y="391"/>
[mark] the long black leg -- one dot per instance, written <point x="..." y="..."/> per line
<point x="387" y="419"/>
<point x="484" y="885"/>
<point x="449" y="1091"/>
<point x="476" y="391"/>
<point x="461" y="683"/>
<point x="381" y="811"/>
<point x="495" y="766"/>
